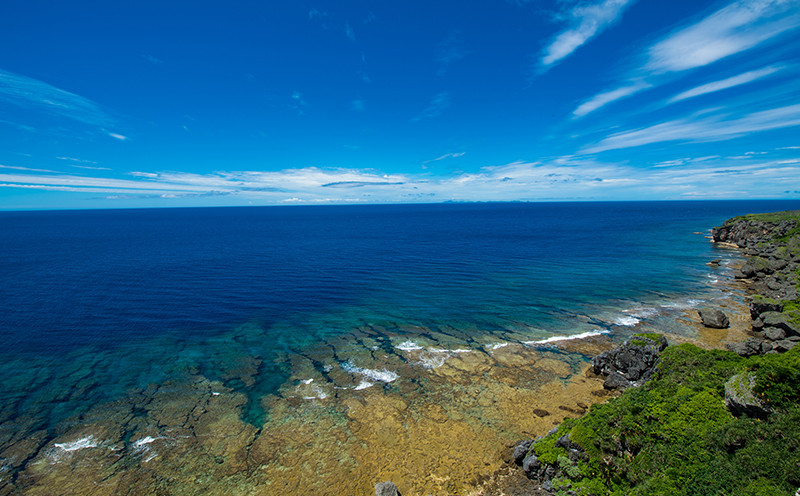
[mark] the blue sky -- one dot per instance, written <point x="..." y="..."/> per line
<point x="138" y="104"/>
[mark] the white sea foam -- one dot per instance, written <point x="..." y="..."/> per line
<point x="363" y="385"/>
<point x="626" y="320"/>
<point x="683" y="305"/>
<point x="82" y="443"/>
<point x="496" y="346"/>
<point x="461" y="350"/>
<point x="431" y="361"/>
<point x="374" y="374"/>
<point x="408" y="345"/>
<point x="307" y="381"/>
<point x="143" y="442"/>
<point x="643" y="313"/>
<point x="554" y="339"/>
<point x="316" y="393"/>
<point x="214" y="393"/>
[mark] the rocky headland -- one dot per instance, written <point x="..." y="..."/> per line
<point x="695" y="421"/>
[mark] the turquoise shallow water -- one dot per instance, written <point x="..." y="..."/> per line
<point x="96" y="303"/>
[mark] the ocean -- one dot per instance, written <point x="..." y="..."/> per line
<point x="123" y="330"/>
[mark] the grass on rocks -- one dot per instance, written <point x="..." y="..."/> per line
<point x="676" y="436"/>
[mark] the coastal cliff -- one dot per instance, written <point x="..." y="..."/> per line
<point x="705" y="421"/>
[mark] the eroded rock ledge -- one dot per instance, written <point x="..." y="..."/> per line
<point x="772" y="244"/>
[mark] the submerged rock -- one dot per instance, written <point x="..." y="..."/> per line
<point x="632" y="363"/>
<point x="714" y="318"/>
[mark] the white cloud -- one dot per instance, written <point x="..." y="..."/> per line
<point x="730" y="30"/>
<point x="602" y="99"/>
<point x="567" y="177"/>
<point x="348" y="31"/>
<point x="733" y="29"/>
<point x="39" y="96"/>
<point x="708" y="128"/>
<point x="587" y="21"/>
<point x="446" y="155"/>
<point x="724" y="84"/>
<point x="24" y="168"/>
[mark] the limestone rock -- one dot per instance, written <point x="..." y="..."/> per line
<point x="741" y="400"/>
<point x="521" y="451"/>
<point x="632" y="363"/>
<point x="774" y="333"/>
<point x="781" y="321"/>
<point x="760" y="305"/>
<point x="714" y="318"/>
<point x="750" y="347"/>
<point x="386" y="489"/>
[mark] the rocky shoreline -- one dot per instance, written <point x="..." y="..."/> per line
<point x="576" y="458"/>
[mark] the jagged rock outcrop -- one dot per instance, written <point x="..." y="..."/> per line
<point x="632" y="363"/>
<point x="772" y="244"/>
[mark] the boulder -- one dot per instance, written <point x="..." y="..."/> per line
<point x="783" y="345"/>
<point x="740" y="398"/>
<point x="781" y="321"/>
<point x="531" y="465"/>
<point x="750" y="347"/>
<point x="759" y="305"/>
<point x="386" y="489"/>
<point x="521" y="451"/>
<point x="714" y="318"/>
<point x="632" y="363"/>
<point x="748" y="271"/>
<point x="774" y="333"/>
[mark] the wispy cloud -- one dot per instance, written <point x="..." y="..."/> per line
<point x="358" y="105"/>
<point x="152" y="59"/>
<point x="712" y="127"/>
<point x="314" y="13"/>
<point x="90" y="167"/>
<point x="568" y="177"/>
<point x="586" y="22"/>
<point x="348" y="31"/>
<point x="298" y="102"/>
<point x="39" y="96"/>
<point x="724" y="84"/>
<point x="79" y="160"/>
<point x="435" y="108"/>
<point x="449" y="52"/>
<point x="733" y="29"/>
<point x="602" y="99"/>
<point x="24" y="168"/>
<point x="443" y="157"/>
<point x="736" y="28"/>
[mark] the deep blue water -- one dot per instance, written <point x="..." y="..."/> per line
<point x="117" y="298"/>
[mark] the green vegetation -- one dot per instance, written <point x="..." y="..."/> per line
<point x="675" y="435"/>
<point x="771" y="217"/>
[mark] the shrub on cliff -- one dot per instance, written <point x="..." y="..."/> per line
<point x="675" y="435"/>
